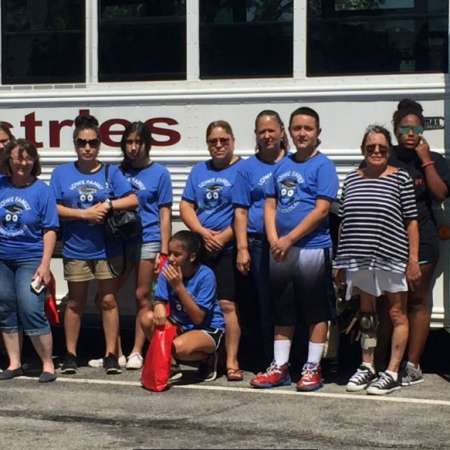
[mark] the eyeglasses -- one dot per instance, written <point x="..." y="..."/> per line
<point x="220" y="141"/>
<point x="23" y="160"/>
<point x="371" y="149"/>
<point x="93" y="143"/>
<point x="407" y="130"/>
<point x="138" y="142"/>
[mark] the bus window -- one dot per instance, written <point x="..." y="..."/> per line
<point x="247" y="38"/>
<point x="142" y="40"/>
<point x="43" y="41"/>
<point x="347" y="37"/>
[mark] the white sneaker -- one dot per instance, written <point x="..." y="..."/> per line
<point x="98" y="363"/>
<point x="135" y="361"/>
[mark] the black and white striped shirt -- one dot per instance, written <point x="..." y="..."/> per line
<point x="373" y="213"/>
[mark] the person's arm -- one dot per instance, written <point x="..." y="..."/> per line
<point x="189" y="217"/>
<point x="240" y="230"/>
<point x="270" y="210"/>
<point x="93" y="214"/>
<point x="43" y="270"/>
<point x="165" y="216"/>
<point x="175" y="278"/>
<point x="224" y="236"/>
<point x="434" y="182"/>
<point x="305" y="227"/>
<point x="413" y="272"/>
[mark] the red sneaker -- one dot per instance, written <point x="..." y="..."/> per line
<point x="311" y="378"/>
<point x="273" y="376"/>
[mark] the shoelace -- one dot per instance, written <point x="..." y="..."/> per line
<point x="383" y="380"/>
<point x="360" y="375"/>
<point x="273" y="368"/>
<point x="309" y="369"/>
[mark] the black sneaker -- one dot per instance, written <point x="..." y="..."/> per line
<point x="69" y="365"/>
<point x="207" y="369"/>
<point x="384" y="384"/>
<point x="175" y="372"/>
<point x="360" y="379"/>
<point x="111" y="365"/>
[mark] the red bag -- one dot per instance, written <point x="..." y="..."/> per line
<point x="51" y="310"/>
<point x="156" y="371"/>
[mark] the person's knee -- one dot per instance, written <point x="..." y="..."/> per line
<point x="76" y="307"/>
<point x="142" y="297"/>
<point x="180" y="349"/>
<point x="146" y="319"/>
<point x="398" y="316"/>
<point x="108" y="302"/>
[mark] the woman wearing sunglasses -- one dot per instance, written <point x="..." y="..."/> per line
<point x="379" y="251"/>
<point x="84" y="199"/>
<point x="207" y="209"/>
<point x="431" y="176"/>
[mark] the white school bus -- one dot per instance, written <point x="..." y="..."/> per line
<point x="179" y="64"/>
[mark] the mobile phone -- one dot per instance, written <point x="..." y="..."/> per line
<point x="37" y="286"/>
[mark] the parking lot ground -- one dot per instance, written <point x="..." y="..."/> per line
<point x="91" y="409"/>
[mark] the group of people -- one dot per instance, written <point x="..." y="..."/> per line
<point x="261" y="221"/>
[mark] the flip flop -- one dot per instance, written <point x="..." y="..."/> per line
<point x="235" y="374"/>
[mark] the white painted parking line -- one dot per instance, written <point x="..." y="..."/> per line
<point x="249" y="390"/>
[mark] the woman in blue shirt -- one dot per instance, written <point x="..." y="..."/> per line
<point x="28" y="220"/>
<point x="151" y="183"/>
<point x="252" y="247"/>
<point x="206" y="208"/>
<point x="190" y="289"/>
<point x="84" y="198"/>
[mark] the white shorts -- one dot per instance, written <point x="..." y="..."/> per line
<point x="375" y="282"/>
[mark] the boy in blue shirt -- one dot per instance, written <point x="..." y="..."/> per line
<point x="298" y="202"/>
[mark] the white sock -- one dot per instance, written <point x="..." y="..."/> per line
<point x="369" y="366"/>
<point x="394" y="375"/>
<point x="315" y="352"/>
<point x="413" y="365"/>
<point x="281" y="350"/>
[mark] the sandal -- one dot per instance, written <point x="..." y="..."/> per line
<point x="235" y="374"/>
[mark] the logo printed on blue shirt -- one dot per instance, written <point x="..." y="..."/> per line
<point x="288" y="184"/>
<point x="11" y="220"/>
<point x="213" y="192"/>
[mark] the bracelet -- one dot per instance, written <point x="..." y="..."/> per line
<point x="428" y="163"/>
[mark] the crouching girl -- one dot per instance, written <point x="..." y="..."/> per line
<point x="190" y="289"/>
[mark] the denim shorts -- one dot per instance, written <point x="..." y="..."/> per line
<point x="20" y="308"/>
<point x="146" y="250"/>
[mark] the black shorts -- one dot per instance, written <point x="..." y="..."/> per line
<point x="224" y="267"/>
<point x="301" y="287"/>
<point x="216" y="335"/>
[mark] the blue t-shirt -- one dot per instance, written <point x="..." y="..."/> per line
<point x="153" y="187"/>
<point x="249" y="190"/>
<point x="79" y="190"/>
<point x="24" y="214"/>
<point x="297" y="186"/>
<point x="210" y="190"/>
<point x="202" y="288"/>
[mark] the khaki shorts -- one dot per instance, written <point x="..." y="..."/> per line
<point x="85" y="270"/>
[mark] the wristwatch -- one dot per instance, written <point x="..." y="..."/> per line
<point x="109" y="201"/>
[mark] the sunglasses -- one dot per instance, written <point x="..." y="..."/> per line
<point x="220" y="141"/>
<point x="407" y="130"/>
<point x="371" y="149"/>
<point x="93" y="143"/>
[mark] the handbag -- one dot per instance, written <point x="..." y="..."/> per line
<point x="156" y="371"/>
<point x="124" y="224"/>
<point x="51" y="309"/>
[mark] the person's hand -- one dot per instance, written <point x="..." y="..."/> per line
<point x="339" y="278"/>
<point x="173" y="275"/>
<point x="423" y="150"/>
<point x="211" y="240"/>
<point x="43" y="273"/>
<point x="413" y="274"/>
<point x="243" y="261"/>
<point x="280" y="248"/>
<point x="96" y="214"/>
<point x="159" y="314"/>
